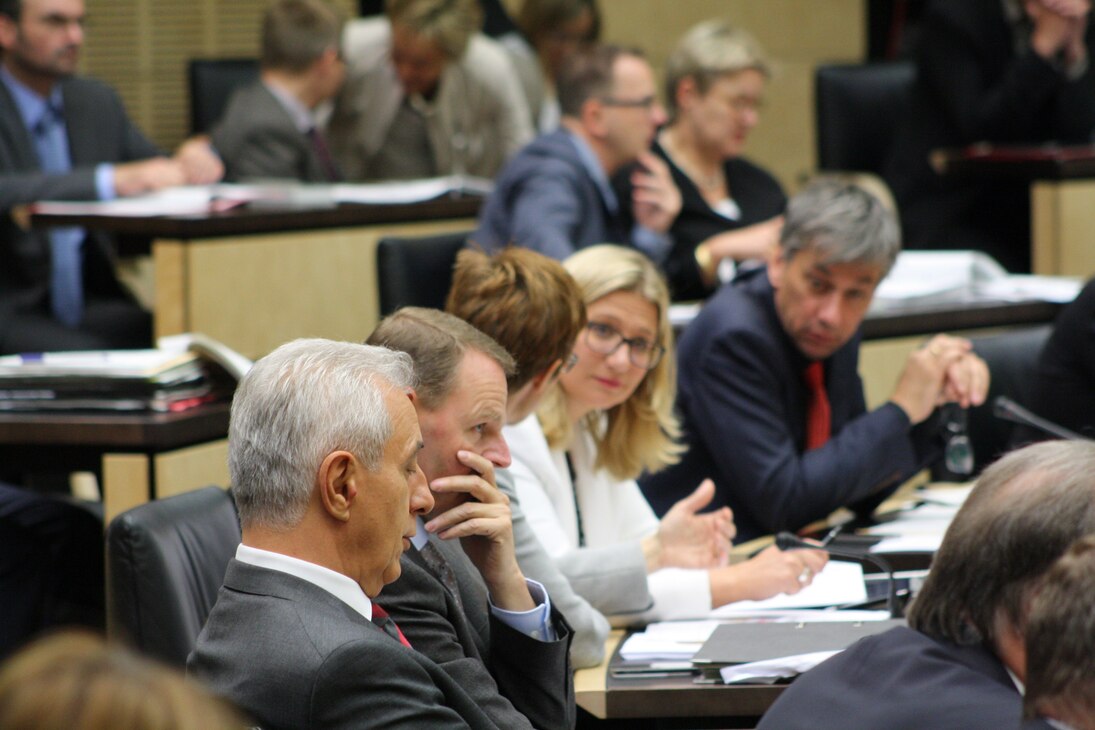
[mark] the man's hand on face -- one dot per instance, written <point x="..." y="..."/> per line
<point x="485" y="530"/>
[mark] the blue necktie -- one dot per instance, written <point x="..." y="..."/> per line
<point x="66" y="269"/>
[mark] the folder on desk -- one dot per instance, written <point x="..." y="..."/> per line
<point x="752" y="642"/>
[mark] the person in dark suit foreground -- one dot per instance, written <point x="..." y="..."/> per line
<point x="323" y="454"/>
<point x="66" y="137"/>
<point x="1060" y="642"/>
<point x="465" y="603"/>
<point x="269" y="129"/>
<point x="772" y="402"/>
<point x="961" y="662"/>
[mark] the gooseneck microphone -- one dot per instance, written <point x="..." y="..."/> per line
<point x="1006" y="409"/>
<point x="789" y="541"/>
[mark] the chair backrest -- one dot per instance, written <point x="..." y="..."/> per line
<point x="416" y="271"/>
<point x="212" y="81"/>
<point x="166" y="561"/>
<point x="1012" y="358"/>
<point x="859" y="108"/>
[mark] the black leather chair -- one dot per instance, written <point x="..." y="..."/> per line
<point x="859" y="108"/>
<point x="212" y="81"/>
<point x="166" y="562"/>
<point x="1012" y="358"/>
<point x="416" y="271"/>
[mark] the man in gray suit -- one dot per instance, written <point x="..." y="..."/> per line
<point x="323" y="449"/>
<point x="509" y="651"/>
<point x="532" y="307"/>
<point x="269" y="128"/>
<point x="66" y="137"/>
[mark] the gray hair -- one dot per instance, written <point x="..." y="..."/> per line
<point x="708" y="51"/>
<point x="304" y="400"/>
<point x="1024" y="512"/>
<point x="843" y="222"/>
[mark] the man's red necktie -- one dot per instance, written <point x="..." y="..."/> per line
<point x="385" y="622"/>
<point x="818" y="412"/>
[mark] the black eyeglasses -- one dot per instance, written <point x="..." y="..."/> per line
<point x="605" y="339"/>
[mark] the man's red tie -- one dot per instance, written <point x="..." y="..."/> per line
<point x="818" y="412"/>
<point x="390" y="627"/>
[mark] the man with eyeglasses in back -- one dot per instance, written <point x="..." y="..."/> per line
<point x="554" y="196"/>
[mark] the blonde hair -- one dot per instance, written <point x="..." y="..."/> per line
<point x="642" y="433"/>
<point x="708" y="51"/>
<point x="448" y="23"/>
<point x="75" y="681"/>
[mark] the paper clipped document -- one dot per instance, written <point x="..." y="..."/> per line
<point x="667" y="640"/>
<point x="839" y="583"/>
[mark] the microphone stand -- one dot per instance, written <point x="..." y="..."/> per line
<point x="1006" y="409"/>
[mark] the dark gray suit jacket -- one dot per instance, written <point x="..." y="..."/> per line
<point x="256" y="138"/>
<point x="518" y="681"/>
<point x="293" y="656"/>
<point x="98" y="131"/>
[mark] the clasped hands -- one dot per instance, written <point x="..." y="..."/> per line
<point x="944" y="370"/>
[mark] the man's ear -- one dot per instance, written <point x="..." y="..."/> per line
<point x="8" y="31"/>
<point x="593" y="114"/>
<point x="340" y="482"/>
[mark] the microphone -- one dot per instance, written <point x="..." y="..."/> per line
<point x="1006" y="409"/>
<point x="790" y="541"/>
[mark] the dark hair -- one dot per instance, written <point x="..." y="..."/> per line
<point x="1060" y="639"/>
<point x="1024" y="512"/>
<point x="297" y="32"/>
<point x="541" y="17"/>
<point x="526" y="301"/>
<point x="12" y="8"/>
<point x="587" y="74"/>
<point x="436" y="342"/>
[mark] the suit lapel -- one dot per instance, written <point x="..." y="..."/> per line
<point x="17" y="141"/>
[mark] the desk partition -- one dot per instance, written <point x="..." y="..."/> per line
<point x="254" y="278"/>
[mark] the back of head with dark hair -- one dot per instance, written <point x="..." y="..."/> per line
<point x="1060" y="640"/>
<point x="588" y="74"/>
<point x="436" y="342"/>
<point x="526" y="301"/>
<point x="297" y="32"/>
<point x="1023" y="514"/>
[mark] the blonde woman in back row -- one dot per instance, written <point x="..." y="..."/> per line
<point x="608" y="419"/>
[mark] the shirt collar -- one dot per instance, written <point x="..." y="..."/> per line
<point x="301" y="115"/>
<point x="593" y="167"/>
<point x="32" y="106"/>
<point x="337" y="584"/>
<point x="421" y="537"/>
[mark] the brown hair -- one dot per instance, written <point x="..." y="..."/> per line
<point x="1060" y="639"/>
<point x="588" y="74"/>
<point x="526" y="301"/>
<point x="1024" y="512"/>
<point x="75" y="681"/>
<point x="436" y="342"/>
<point x="297" y="32"/>
<point x="538" y="18"/>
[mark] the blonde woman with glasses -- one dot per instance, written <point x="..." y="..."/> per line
<point x="607" y="420"/>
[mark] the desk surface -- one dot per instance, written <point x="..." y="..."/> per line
<point x="250" y="219"/>
<point x="606" y="697"/>
<point x="926" y="318"/>
<point x="117" y="431"/>
<point x="997" y="162"/>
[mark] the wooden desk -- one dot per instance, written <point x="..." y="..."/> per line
<point x="671" y="702"/>
<point x="256" y="277"/>
<point x="138" y="456"/>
